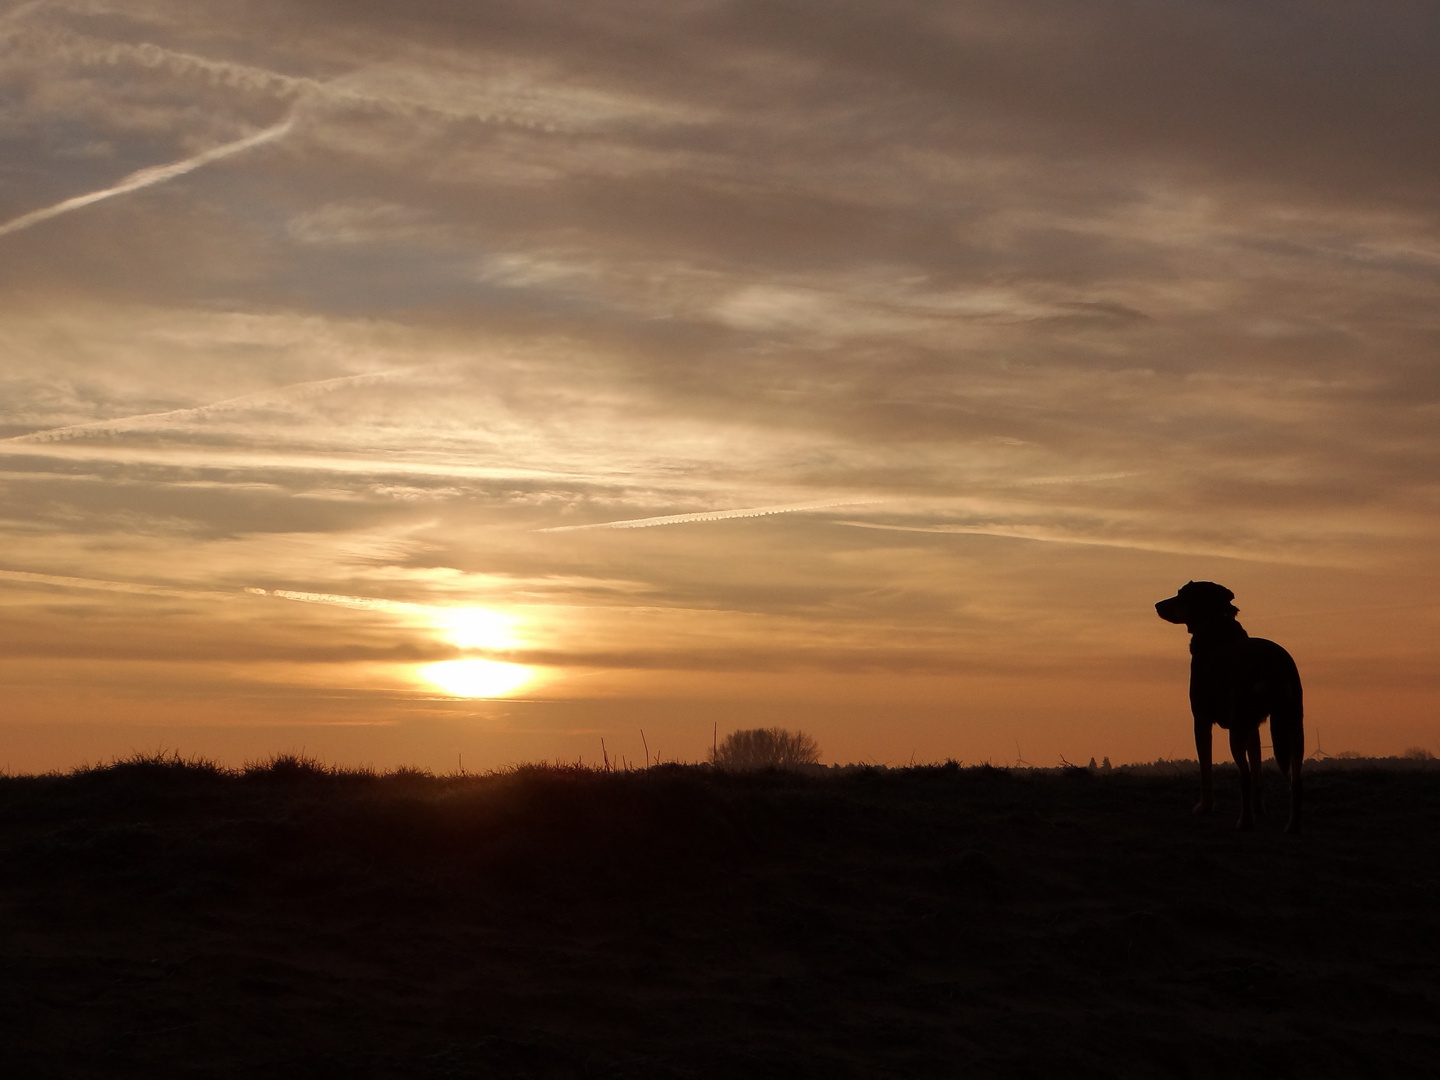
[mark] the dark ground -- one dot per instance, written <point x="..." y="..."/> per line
<point x="170" y="920"/>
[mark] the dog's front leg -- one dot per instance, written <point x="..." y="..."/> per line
<point x="1257" y="782"/>
<point x="1298" y="752"/>
<point x="1202" y="751"/>
<point x="1239" y="744"/>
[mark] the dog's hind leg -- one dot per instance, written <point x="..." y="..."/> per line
<point x="1257" y="781"/>
<point x="1239" y="744"/>
<point x="1202" y="751"/>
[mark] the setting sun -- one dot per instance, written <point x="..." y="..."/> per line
<point x="478" y="628"/>
<point x="474" y="677"/>
<point x="477" y="678"/>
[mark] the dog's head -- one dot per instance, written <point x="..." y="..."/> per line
<point x="1198" y="603"/>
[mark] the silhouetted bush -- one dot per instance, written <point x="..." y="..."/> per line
<point x="765" y="748"/>
<point x="289" y="767"/>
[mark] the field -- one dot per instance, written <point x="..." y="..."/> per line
<point x="170" y="919"/>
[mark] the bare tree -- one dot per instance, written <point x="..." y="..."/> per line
<point x="765" y="748"/>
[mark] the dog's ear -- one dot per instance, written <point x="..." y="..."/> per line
<point x="1210" y="590"/>
<point x="1210" y="596"/>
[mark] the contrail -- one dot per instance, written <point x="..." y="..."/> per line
<point x="1082" y="478"/>
<point x="101" y="585"/>
<point x="318" y="461"/>
<point x="369" y="603"/>
<point x="262" y="397"/>
<point x="710" y="515"/>
<point x="366" y="603"/>
<point x="143" y="178"/>
<point x="1055" y="536"/>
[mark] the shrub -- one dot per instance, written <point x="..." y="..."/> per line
<point x="287" y="767"/>
<point x="765" y="748"/>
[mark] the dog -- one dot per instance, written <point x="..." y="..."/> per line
<point x="1238" y="681"/>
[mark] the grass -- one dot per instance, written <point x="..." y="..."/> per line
<point x="163" y="916"/>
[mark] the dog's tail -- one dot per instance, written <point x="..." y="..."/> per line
<point x="1287" y="733"/>
<point x="1287" y="720"/>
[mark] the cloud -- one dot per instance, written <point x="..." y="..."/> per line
<point x="20" y="11"/>
<point x="100" y="585"/>
<point x="1053" y="535"/>
<point x="147" y="177"/>
<point x="151" y="421"/>
<point x="362" y="603"/>
<point x="709" y="515"/>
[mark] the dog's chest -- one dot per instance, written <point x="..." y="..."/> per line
<point x="1212" y="687"/>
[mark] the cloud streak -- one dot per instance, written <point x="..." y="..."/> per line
<point x="148" y="177"/>
<point x="1052" y="535"/>
<point x="361" y="603"/>
<point x="147" y="421"/>
<point x="711" y="515"/>
<point x="25" y="577"/>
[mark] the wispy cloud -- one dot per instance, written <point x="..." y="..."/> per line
<point x="429" y="612"/>
<point x="147" y="421"/>
<point x="1078" y="478"/>
<point x="1052" y="535"/>
<point x="17" y="13"/>
<point x="362" y="603"/>
<point x="711" y="515"/>
<point x="148" y="177"/>
<point x="101" y="585"/>
<point x="363" y="462"/>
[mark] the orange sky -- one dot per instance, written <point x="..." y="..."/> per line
<point x="916" y="348"/>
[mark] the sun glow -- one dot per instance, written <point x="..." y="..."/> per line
<point x="477" y="628"/>
<point x="478" y="678"/>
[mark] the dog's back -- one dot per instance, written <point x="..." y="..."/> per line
<point x="1244" y="680"/>
<point x="1268" y="684"/>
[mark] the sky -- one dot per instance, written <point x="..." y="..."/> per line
<point x="458" y="384"/>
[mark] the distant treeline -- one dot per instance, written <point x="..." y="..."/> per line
<point x="300" y="766"/>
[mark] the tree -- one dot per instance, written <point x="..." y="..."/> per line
<point x="765" y="748"/>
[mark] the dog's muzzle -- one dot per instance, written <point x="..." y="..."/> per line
<point x="1172" y="610"/>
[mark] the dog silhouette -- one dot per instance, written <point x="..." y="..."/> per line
<point x="1238" y="681"/>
